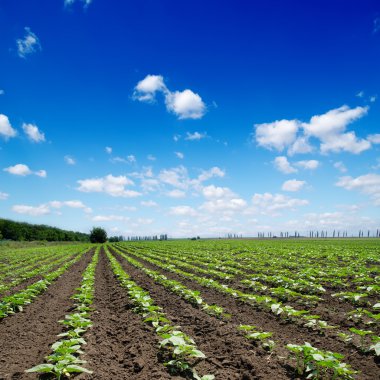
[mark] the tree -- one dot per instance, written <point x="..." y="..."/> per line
<point x="98" y="235"/>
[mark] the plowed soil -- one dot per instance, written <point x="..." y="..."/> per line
<point x="283" y="333"/>
<point x="26" y="336"/>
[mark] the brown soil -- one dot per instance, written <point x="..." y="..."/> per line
<point x="119" y="345"/>
<point x="26" y="336"/>
<point x="284" y="333"/>
<point x="230" y="356"/>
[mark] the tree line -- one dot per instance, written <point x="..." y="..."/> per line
<point x="21" y="231"/>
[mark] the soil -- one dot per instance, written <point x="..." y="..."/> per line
<point x="119" y="345"/>
<point x="26" y="336"/>
<point x="283" y="333"/>
<point x="230" y="356"/>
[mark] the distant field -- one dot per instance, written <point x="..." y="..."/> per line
<point x="223" y="309"/>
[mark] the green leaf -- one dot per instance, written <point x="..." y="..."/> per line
<point x="44" y="368"/>
<point x="77" y="368"/>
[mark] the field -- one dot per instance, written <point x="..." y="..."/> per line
<point x="223" y="309"/>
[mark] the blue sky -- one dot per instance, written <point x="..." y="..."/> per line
<point x="198" y="118"/>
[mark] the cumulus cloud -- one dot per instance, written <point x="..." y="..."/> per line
<point x="45" y="208"/>
<point x="23" y="170"/>
<point x="69" y="160"/>
<point x="213" y="191"/>
<point x="329" y="128"/>
<point x="277" y="135"/>
<point x="272" y="204"/>
<point x="300" y="146"/>
<point x="111" y="185"/>
<point x="195" y="136"/>
<point x="108" y="149"/>
<point x="28" y="45"/>
<point x="146" y="89"/>
<point x="184" y="104"/>
<point x="179" y="155"/>
<point x="225" y="205"/>
<point x="282" y="164"/>
<point x="6" y="129"/>
<point x="150" y="157"/>
<point x="307" y="164"/>
<point x="3" y="196"/>
<point x="71" y="204"/>
<point x="182" y="211"/>
<point x="33" y="133"/>
<point x="110" y="218"/>
<point x="31" y="210"/>
<point x="367" y="184"/>
<point x="175" y="193"/>
<point x="293" y="185"/>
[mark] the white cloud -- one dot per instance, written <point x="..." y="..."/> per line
<point x="182" y="211"/>
<point x="110" y="218"/>
<point x="330" y="128"/>
<point x="185" y="104"/>
<point x="131" y="159"/>
<point x="195" y="136"/>
<point x="293" y="185"/>
<point x="41" y="173"/>
<point x="367" y="184"/>
<point x="108" y="149"/>
<point x="28" y="45"/>
<point x="149" y="203"/>
<point x="176" y="138"/>
<point x="33" y="133"/>
<point x="226" y="205"/>
<point x="374" y="139"/>
<point x="340" y="166"/>
<point x="212" y="191"/>
<point x="282" y="164"/>
<point x="333" y="122"/>
<point x="272" y="204"/>
<point x="71" y="204"/>
<point x="347" y="142"/>
<point x="23" y="170"/>
<point x="307" y="164"/>
<point x="360" y="94"/>
<point x="70" y="160"/>
<point x="146" y="89"/>
<point x="176" y="177"/>
<point x="3" y="196"/>
<point x="150" y="157"/>
<point x="180" y="155"/>
<point x="210" y="173"/>
<point x="6" y="130"/>
<point x="300" y="146"/>
<point x="31" y="210"/>
<point x="111" y="185"/>
<point x="175" y="193"/>
<point x="2" y="92"/>
<point x="278" y="134"/>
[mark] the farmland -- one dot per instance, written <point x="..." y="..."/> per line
<point x="223" y="309"/>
